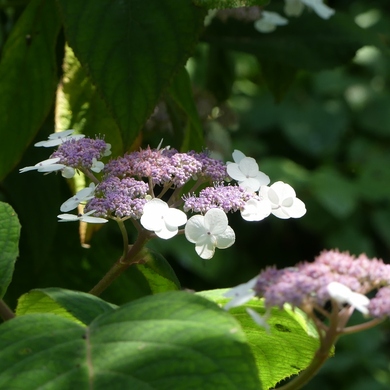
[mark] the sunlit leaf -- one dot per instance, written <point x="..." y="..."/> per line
<point x="168" y="341"/>
<point x="9" y="244"/>
<point x="131" y="50"/>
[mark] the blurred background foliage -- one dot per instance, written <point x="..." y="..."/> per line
<point x="313" y="110"/>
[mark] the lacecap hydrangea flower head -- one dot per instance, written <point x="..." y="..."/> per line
<point x="348" y="282"/>
<point x="146" y="186"/>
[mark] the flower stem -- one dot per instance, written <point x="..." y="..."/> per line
<point x="321" y="355"/>
<point x="131" y="256"/>
<point x="5" y="312"/>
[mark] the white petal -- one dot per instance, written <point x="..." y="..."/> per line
<point x="215" y="221"/>
<point x="58" y="138"/>
<point x="152" y="222"/>
<point x="249" y="167"/>
<point x="283" y="190"/>
<point x="234" y="172"/>
<point x="240" y="299"/>
<point x="238" y="156"/>
<point x="51" y="168"/>
<point x="259" y="319"/>
<point x="68" y="172"/>
<point x="262" y="178"/>
<point x="359" y="302"/>
<point x="97" y="166"/>
<point x="225" y="239"/>
<point x="339" y="292"/>
<point x="298" y="209"/>
<point x="241" y="293"/>
<point x="269" y="21"/>
<point x="155" y="206"/>
<point x="280" y="212"/>
<point x="68" y="217"/>
<point x="322" y="10"/>
<point x="167" y="232"/>
<point x="81" y="196"/>
<point x="89" y="219"/>
<point x="107" y="151"/>
<point x="293" y="7"/>
<point x="250" y="184"/>
<point x="175" y="217"/>
<point x="205" y="248"/>
<point x="256" y="210"/>
<point x="195" y="228"/>
<point x="61" y="134"/>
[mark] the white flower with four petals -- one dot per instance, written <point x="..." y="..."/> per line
<point x="245" y="171"/>
<point x="158" y="217"/>
<point x="208" y="232"/>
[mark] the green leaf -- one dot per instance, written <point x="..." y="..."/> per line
<point x="80" y="107"/>
<point x="181" y="92"/>
<point x="9" y="245"/>
<point x="74" y="305"/>
<point x="285" y="350"/>
<point x="158" y="273"/>
<point x="28" y="77"/>
<point x="131" y="50"/>
<point x="222" y="4"/>
<point x="334" y="41"/>
<point x="169" y="341"/>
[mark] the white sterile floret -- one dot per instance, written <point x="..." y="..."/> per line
<point x="83" y="218"/>
<point x="269" y="21"/>
<point x="283" y="200"/>
<point x="209" y="232"/>
<point x="107" y="151"/>
<point x="295" y="8"/>
<point x="97" y="166"/>
<point x="344" y="295"/>
<point x="68" y="172"/>
<point x="56" y="139"/>
<point x="260" y="320"/>
<point x="81" y="196"/>
<point x="49" y="165"/>
<point x="256" y="210"/>
<point x="158" y="217"/>
<point x="245" y="171"/>
<point x="240" y="294"/>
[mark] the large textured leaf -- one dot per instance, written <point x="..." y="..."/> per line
<point x="334" y="41"/>
<point x="285" y="350"/>
<point x="80" y="107"/>
<point x="169" y="341"/>
<point x="131" y="50"/>
<point x="28" y="79"/>
<point x="9" y="244"/>
<point x="75" y="305"/>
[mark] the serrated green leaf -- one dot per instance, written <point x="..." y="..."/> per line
<point x="222" y="4"/>
<point x="169" y="341"/>
<point x="9" y="245"/>
<point x="131" y="50"/>
<point x="181" y="92"/>
<point x="80" y="107"/>
<point x="74" y="305"/>
<point x="28" y="76"/>
<point x="285" y="350"/>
